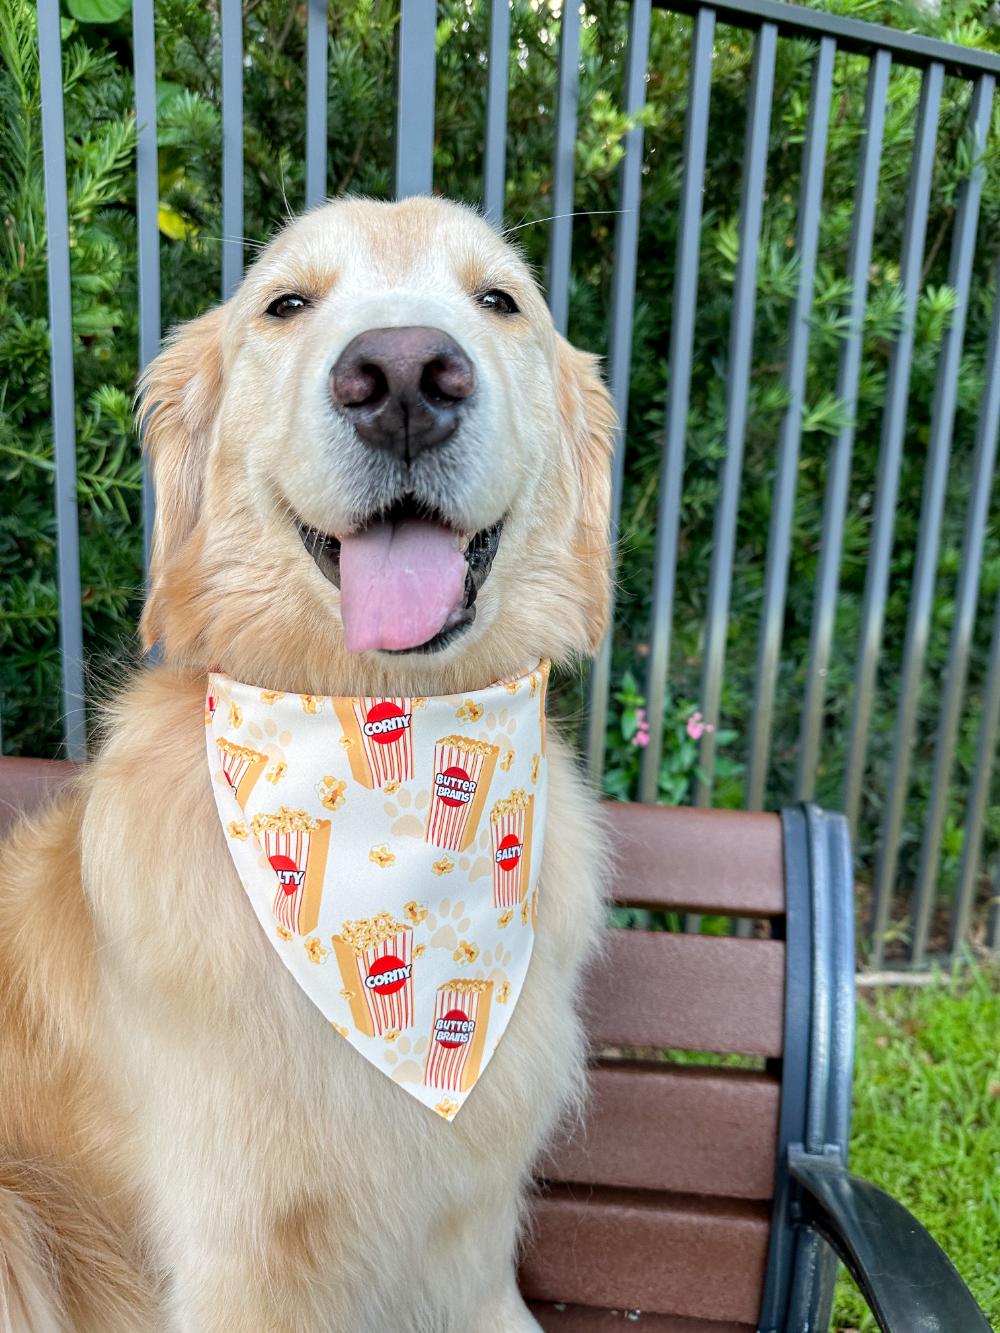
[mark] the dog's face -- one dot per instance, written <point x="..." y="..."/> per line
<point x="378" y="465"/>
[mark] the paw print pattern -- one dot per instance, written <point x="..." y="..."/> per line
<point x="498" y="957"/>
<point x="478" y="867"/>
<point x="406" y="812"/>
<point x="404" y="1056"/>
<point x="447" y="924"/>
<point x="496" y="961"/>
<point x="498" y="729"/>
<point x="271" y="740"/>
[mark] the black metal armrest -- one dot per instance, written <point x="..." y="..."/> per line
<point x="906" y="1278"/>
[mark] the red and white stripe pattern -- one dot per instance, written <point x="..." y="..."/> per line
<point x="389" y="761"/>
<point x="507" y="869"/>
<point x="235" y="766"/>
<point x="288" y="847"/>
<point x="446" y="824"/>
<point x="450" y="1047"/>
<point x="393" y="1011"/>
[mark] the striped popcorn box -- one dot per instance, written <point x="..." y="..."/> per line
<point x="458" y="1034"/>
<point x="380" y="739"/>
<point x="241" y="767"/>
<point x="296" y="845"/>
<point x="510" y="836"/>
<point x="463" y="771"/>
<point x="375" y="957"/>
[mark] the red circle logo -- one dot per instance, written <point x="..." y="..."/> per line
<point x="396" y="981"/>
<point x="393" y="721"/>
<point x="452" y="1016"/>
<point x="287" y="871"/>
<point x="508" y="854"/>
<point x="462" y="776"/>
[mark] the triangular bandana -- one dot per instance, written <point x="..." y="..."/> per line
<point x="390" y="849"/>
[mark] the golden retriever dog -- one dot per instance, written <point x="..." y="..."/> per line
<point x="184" y="1144"/>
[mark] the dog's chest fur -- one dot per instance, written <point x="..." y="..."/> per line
<point x="267" y="1141"/>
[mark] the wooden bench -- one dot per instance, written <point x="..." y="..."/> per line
<point x="710" y="1197"/>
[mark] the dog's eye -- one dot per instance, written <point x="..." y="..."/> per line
<point x="283" y="307"/>
<point x="498" y="301"/>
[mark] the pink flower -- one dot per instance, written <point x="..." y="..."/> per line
<point x="641" y="739"/>
<point x="695" y="726"/>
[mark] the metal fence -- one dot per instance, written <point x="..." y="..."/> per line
<point x="770" y="22"/>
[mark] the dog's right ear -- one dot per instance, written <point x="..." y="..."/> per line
<point x="179" y="395"/>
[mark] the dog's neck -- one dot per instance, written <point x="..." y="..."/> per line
<point x="352" y="676"/>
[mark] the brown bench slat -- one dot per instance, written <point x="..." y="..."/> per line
<point x="701" y="1258"/>
<point x="692" y="992"/>
<point x="685" y="1130"/>
<point x="587" y="1319"/>
<point x="27" y="784"/>
<point x="724" y="861"/>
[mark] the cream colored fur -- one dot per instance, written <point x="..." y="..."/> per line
<point x="184" y="1143"/>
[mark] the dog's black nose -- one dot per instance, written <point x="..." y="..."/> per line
<point x="403" y="390"/>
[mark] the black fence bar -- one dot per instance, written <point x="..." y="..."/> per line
<point x="893" y="432"/>
<point x="683" y="303"/>
<point x="936" y="479"/>
<point x="839" y="466"/>
<point x="979" y="791"/>
<point x="415" y="98"/>
<point x="620" y="351"/>
<point x="741" y="328"/>
<point x="495" y="163"/>
<point x="316" y="101"/>
<point x="962" y="629"/>
<point x="63" y="401"/>
<point x="779" y="536"/>
<point x="853" y="35"/>
<point x="147" y="192"/>
<point x="231" y="12"/>
<point x="564" y="167"/>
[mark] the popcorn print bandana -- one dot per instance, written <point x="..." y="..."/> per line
<point x="390" y="849"/>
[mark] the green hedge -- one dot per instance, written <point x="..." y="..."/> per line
<point x="100" y="132"/>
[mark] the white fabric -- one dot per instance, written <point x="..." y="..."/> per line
<point x="390" y="850"/>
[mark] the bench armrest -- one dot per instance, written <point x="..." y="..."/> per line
<point x="906" y="1278"/>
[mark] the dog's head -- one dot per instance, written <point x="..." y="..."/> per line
<point x="378" y="464"/>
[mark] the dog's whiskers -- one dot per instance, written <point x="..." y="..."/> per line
<point x="558" y="217"/>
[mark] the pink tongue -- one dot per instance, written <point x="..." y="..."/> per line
<point x="399" y="583"/>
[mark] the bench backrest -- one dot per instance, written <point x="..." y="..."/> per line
<point x="662" y="1201"/>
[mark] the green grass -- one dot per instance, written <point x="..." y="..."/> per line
<point x="927" y="1122"/>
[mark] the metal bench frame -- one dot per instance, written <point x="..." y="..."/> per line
<point x="821" y="1211"/>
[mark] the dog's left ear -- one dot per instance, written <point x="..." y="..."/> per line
<point x="179" y="397"/>
<point x="590" y="424"/>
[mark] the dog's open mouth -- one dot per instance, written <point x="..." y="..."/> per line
<point x="408" y="580"/>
